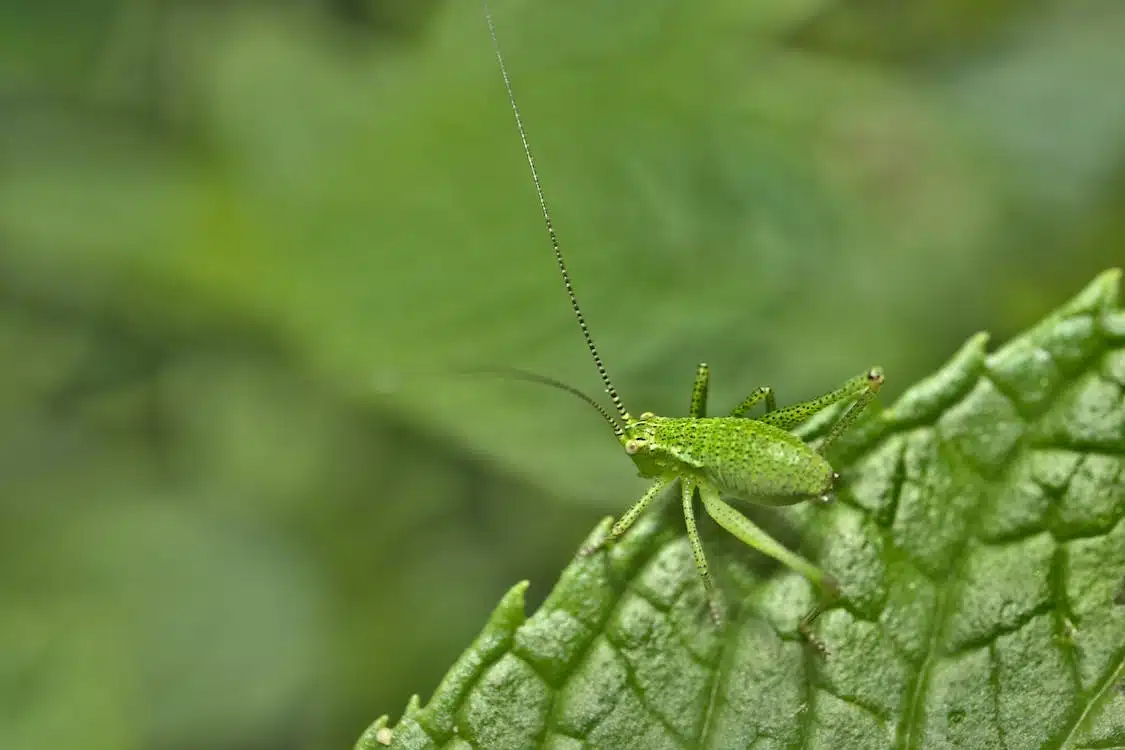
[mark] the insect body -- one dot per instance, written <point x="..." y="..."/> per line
<point x="755" y="459"/>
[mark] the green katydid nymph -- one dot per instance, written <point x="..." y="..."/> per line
<point x="755" y="459"/>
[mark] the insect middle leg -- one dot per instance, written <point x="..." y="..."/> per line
<point x="699" y="396"/>
<point x="688" y="498"/>
<point x="763" y="391"/>
<point x="862" y="388"/>
<point x="627" y="518"/>
<point x="698" y="408"/>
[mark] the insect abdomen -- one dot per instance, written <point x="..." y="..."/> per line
<point x="754" y="461"/>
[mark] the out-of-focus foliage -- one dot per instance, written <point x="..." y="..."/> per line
<point x="232" y="235"/>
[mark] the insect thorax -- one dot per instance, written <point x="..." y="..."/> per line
<point x="742" y="457"/>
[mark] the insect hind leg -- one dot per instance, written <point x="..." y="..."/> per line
<point x="750" y="534"/>
<point x="873" y="381"/>
<point x="861" y="388"/>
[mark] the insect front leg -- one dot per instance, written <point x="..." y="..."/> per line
<point x="627" y="518"/>
<point x="688" y="496"/>
<point x="762" y="391"/>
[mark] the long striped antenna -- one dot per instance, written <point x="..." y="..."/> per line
<point x="550" y="227"/>
<point x="515" y="373"/>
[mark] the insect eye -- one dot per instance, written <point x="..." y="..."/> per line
<point x="875" y="375"/>
<point x="634" y="445"/>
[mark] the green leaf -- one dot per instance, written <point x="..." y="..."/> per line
<point x="980" y="546"/>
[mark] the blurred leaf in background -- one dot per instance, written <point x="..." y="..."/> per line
<point x="226" y="228"/>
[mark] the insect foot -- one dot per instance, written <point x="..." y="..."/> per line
<point x="830" y="591"/>
<point x="811" y="639"/>
<point x="589" y="549"/>
<point x="715" y="605"/>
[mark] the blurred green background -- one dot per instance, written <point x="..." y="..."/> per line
<point x="240" y="504"/>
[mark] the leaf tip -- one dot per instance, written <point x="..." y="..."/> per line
<point x="1109" y="282"/>
<point x="977" y="344"/>
<point x="1110" y="277"/>
<point x="510" y="613"/>
<point x="1100" y="294"/>
<point x="374" y="736"/>
<point x="597" y="534"/>
<point x="929" y="397"/>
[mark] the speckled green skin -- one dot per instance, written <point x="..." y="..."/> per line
<point x="742" y="458"/>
